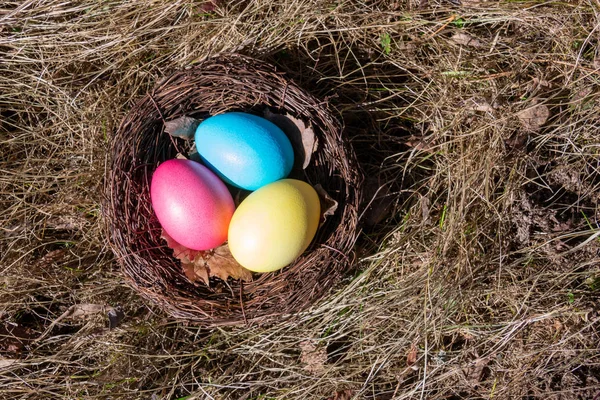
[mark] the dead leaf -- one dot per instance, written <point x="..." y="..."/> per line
<point x="534" y="117"/>
<point x="210" y="5"/>
<point x="182" y="127"/>
<point x="6" y="362"/>
<point x="475" y="371"/>
<point x="562" y="226"/>
<point x="313" y="356"/>
<point x="77" y="311"/>
<point x="464" y="39"/>
<point x="425" y="203"/>
<point x="188" y="270"/>
<point x="201" y="272"/>
<point x="517" y="142"/>
<point x="221" y="264"/>
<point x="51" y="257"/>
<point x="301" y="136"/>
<point x="411" y="357"/>
<point x="538" y="83"/>
<point x="328" y="204"/>
<point x="582" y="94"/>
<point x="66" y="223"/>
<point x="14" y="337"/>
<point x="482" y="106"/>
<point x="557" y="326"/>
<point x="342" y="395"/>
<point x="202" y="265"/>
<point x="186" y="255"/>
<point x="418" y="143"/>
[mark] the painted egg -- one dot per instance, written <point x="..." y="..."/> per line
<point x="274" y="225"/>
<point x="245" y="150"/>
<point x="191" y="204"/>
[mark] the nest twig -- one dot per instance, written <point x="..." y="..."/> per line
<point x="226" y="83"/>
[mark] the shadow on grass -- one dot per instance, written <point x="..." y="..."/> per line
<point x="370" y="96"/>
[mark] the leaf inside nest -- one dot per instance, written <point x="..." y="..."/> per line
<point x="301" y="136"/>
<point x="202" y="265"/>
<point x="221" y="264"/>
<point x="186" y="255"/>
<point x="182" y="127"/>
<point x="328" y="204"/>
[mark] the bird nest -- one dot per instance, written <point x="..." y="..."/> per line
<point x="227" y="83"/>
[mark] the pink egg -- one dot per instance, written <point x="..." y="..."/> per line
<point x="192" y="204"/>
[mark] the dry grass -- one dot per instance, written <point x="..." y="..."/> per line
<point x="481" y="280"/>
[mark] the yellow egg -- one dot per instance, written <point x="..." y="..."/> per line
<point x="274" y="225"/>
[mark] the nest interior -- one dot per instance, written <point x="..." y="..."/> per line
<point x="229" y="82"/>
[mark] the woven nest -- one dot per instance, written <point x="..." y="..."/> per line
<point x="227" y="83"/>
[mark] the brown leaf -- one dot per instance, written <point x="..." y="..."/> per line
<point x="76" y="311"/>
<point x="80" y="311"/>
<point x="221" y="264"/>
<point x="14" y="337"/>
<point x="188" y="270"/>
<point x="464" y="39"/>
<point x="482" y="106"/>
<point x="534" y="117"/>
<point x="425" y="204"/>
<point x="582" y="94"/>
<point x="342" y="395"/>
<point x="182" y="127"/>
<point x="188" y="260"/>
<point x="328" y="204"/>
<point x="411" y="357"/>
<point x="301" y="136"/>
<point x="475" y="371"/>
<point x="419" y="143"/>
<point x="210" y="5"/>
<point x="557" y="326"/>
<point x="186" y="255"/>
<point x="201" y="272"/>
<point x="51" y="257"/>
<point x="313" y="356"/>
<point x="538" y="83"/>
<point x="196" y="271"/>
<point x="202" y="265"/>
<point x="517" y="141"/>
<point x="66" y="223"/>
<point x="6" y="362"/>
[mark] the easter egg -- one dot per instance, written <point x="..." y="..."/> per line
<point x="245" y="150"/>
<point x="191" y="203"/>
<point x="274" y="225"/>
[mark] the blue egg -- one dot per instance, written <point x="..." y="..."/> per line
<point x="244" y="150"/>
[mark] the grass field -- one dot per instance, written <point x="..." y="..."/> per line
<point x="479" y="262"/>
